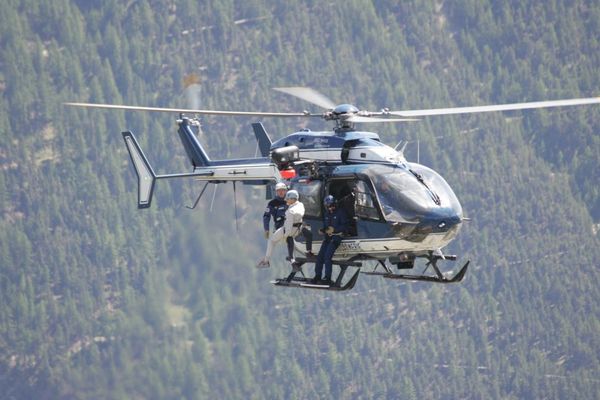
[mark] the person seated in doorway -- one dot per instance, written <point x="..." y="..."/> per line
<point x="308" y="237"/>
<point x="335" y="224"/>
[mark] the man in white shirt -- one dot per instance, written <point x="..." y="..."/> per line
<point x="290" y="229"/>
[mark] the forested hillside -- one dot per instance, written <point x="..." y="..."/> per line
<point x="101" y="300"/>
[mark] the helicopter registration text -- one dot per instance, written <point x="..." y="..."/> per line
<point x="350" y="246"/>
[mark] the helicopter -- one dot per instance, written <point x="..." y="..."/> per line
<point x="399" y="211"/>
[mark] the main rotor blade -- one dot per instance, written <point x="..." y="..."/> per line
<point x="363" y="119"/>
<point x="191" y="111"/>
<point x="499" y="107"/>
<point x="308" y="94"/>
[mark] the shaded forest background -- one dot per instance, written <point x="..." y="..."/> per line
<point x="100" y="300"/>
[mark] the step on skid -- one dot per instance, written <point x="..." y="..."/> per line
<point x="306" y="283"/>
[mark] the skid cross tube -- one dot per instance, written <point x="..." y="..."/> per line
<point x="432" y="261"/>
<point x="427" y="278"/>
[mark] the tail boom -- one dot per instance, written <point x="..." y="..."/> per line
<point x="251" y="171"/>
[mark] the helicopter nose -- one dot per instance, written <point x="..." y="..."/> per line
<point x="446" y="222"/>
<point x="441" y="220"/>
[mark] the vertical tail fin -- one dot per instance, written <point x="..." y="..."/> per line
<point x="190" y="142"/>
<point x="264" y="145"/>
<point x="143" y="169"/>
<point x="263" y="139"/>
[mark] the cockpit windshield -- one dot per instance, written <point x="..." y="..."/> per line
<point x="439" y="185"/>
<point x="406" y="193"/>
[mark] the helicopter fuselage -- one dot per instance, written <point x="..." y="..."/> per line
<point x="398" y="209"/>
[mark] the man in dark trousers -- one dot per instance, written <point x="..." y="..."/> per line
<point x="336" y="223"/>
<point x="276" y="209"/>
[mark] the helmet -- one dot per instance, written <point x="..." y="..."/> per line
<point x="292" y="194"/>
<point x="329" y="200"/>
<point x="280" y="185"/>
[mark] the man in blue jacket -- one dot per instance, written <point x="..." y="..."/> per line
<point x="335" y="224"/>
<point x="276" y="209"/>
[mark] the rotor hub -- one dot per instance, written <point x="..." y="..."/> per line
<point x="341" y="112"/>
<point x="342" y="115"/>
<point x="343" y="109"/>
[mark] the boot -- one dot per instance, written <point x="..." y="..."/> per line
<point x="327" y="281"/>
<point x="296" y="267"/>
<point x="263" y="264"/>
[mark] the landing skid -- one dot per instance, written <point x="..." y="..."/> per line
<point x="303" y="282"/>
<point x="306" y="283"/>
<point x="427" y="278"/>
<point x="437" y="278"/>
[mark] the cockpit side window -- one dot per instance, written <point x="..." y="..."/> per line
<point x="310" y="196"/>
<point x="365" y="205"/>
